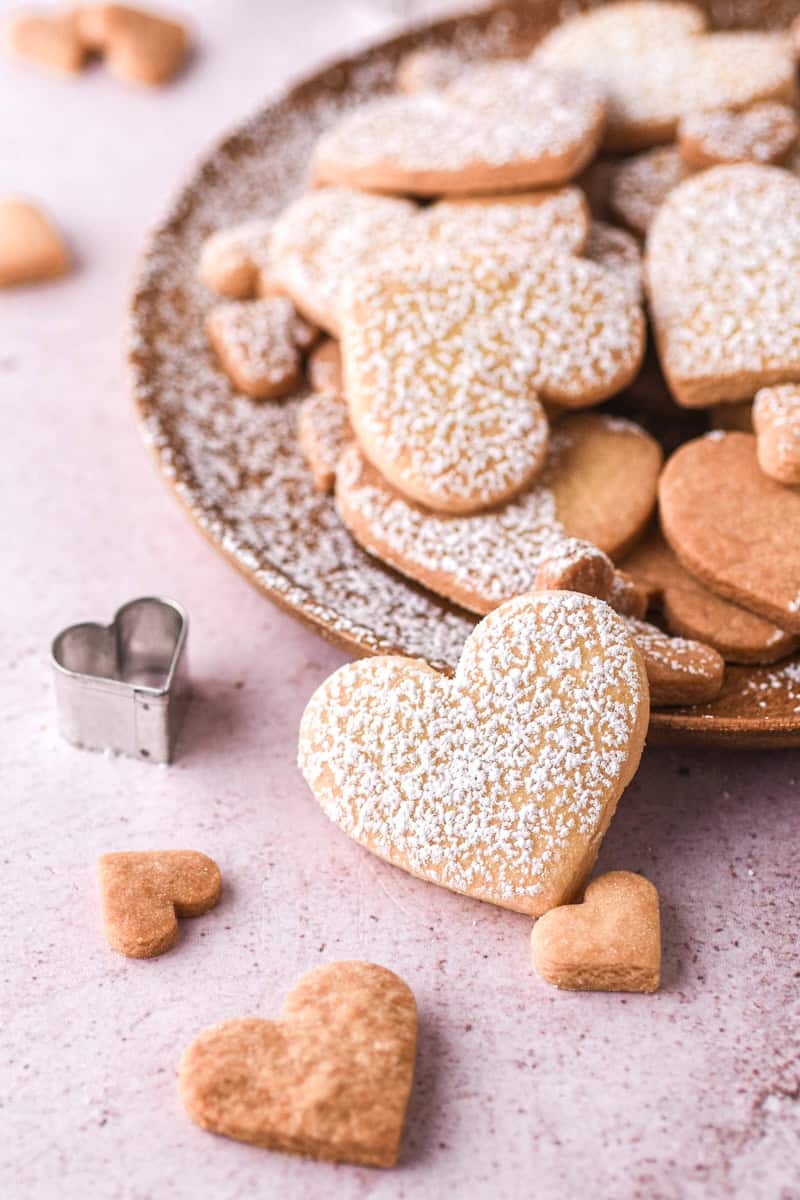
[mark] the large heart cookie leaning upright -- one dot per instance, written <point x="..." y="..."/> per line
<point x="733" y="527"/>
<point x="501" y="782"/>
<point x="331" y="1079"/>
<point x="723" y="261"/>
<point x="445" y="363"/>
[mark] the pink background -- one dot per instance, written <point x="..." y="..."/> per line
<point x="520" y="1090"/>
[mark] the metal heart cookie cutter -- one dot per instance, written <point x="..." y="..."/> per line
<point x="125" y="686"/>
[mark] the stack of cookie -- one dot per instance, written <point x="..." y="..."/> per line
<point x="464" y="299"/>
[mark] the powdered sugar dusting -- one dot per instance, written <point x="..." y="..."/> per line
<point x="495" y="783"/>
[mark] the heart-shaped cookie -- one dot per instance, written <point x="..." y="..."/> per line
<point x="143" y="892"/>
<point x="501" y="782"/>
<point x="733" y="527"/>
<point x="609" y="943"/>
<point x="599" y="484"/>
<point x="721" y="275"/>
<point x="31" y="248"/>
<point x="259" y="344"/>
<point x="776" y="421"/>
<point x="690" y="610"/>
<point x="655" y="63"/>
<point x="49" y="39"/>
<point x="139" y="46"/>
<point x="498" y="127"/>
<point x="330" y="1079"/>
<point x="235" y="261"/>
<point x="445" y="363"/>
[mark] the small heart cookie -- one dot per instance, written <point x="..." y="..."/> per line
<point x="48" y="39"/>
<point x="655" y="64"/>
<point x="638" y="186"/>
<point x="501" y="782"/>
<point x="330" y="1079"/>
<point x="139" y="46"/>
<point x="599" y="484"/>
<point x="690" y="610"/>
<point x="776" y="420"/>
<point x="609" y="943"/>
<point x="733" y="527"/>
<point x="143" y="892"/>
<point x="259" y="344"/>
<point x="762" y="134"/>
<point x="31" y="248"/>
<point x="234" y="262"/>
<point x="446" y="362"/>
<point x="500" y="126"/>
<point x="721" y="276"/>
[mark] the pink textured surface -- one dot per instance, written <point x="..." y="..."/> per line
<point x="520" y="1089"/>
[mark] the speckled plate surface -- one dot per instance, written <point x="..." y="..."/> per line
<point x="236" y="465"/>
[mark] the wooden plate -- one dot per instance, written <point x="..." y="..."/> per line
<point x="235" y="465"/>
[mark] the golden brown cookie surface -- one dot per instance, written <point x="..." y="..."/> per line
<point x="733" y="527"/>
<point x="143" y="892"/>
<point x="48" y="39"/>
<point x="31" y="248"/>
<point x="330" y="1079"/>
<point x="776" y="420"/>
<point x="609" y="943"/>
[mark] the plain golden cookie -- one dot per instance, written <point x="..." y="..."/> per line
<point x="733" y="527"/>
<point x="139" y="46"/>
<point x="234" y="262"/>
<point x="609" y="943"/>
<point x="31" y="248"/>
<point x="776" y="420"/>
<point x="48" y="39"/>
<point x="143" y="892"/>
<point x="331" y="1079"/>
<point x="690" y="610"/>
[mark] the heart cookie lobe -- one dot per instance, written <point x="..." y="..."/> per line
<point x="330" y="1079"/>
<point x="501" y="782"/>
<point x="722" y="281"/>
<point x="776" y="420"/>
<point x="733" y="527"/>
<point x="609" y="943"/>
<point x="143" y="892"/>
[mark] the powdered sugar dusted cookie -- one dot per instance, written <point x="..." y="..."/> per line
<point x="49" y="39"/>
<point x="501" y="782"/>
<point x="618" y="253"/>
<point x="638" y="186"/>
<point x="776" y="419"/>
<point x="722" y="281"/>
<point x="324" y="431"/>
<point x="609" y="943"/>
<point x="656" y="66"/>
<point x="762" y="134"/>
<point x="330" y="1079"/>
<point x="430" y="68"/>
<point x="733" y="527"/>
<point x="31" y="248"/>
<point x="599" y="484"/>
<point x="234" y="262"/>
<point x="678" y="671"/>
<point x="690" y="610"/>
<point x="325" y="236"/>
<point x="498" y="126"/>
<point x="259" y="343"/>
<point x="444" y="363"/>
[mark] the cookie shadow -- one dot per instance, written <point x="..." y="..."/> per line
<point x="214" y="716"/>
<point x="422" y="1137"/>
